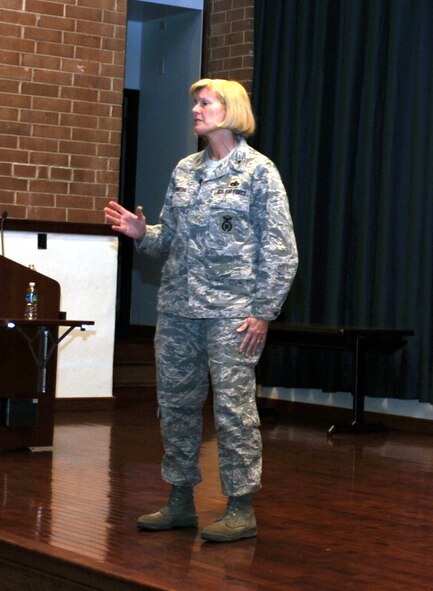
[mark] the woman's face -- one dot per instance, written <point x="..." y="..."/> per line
<point x="208" y="112"/>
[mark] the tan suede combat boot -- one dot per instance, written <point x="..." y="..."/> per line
<point x="238" y="522"/>
<point x="179" y="511"/>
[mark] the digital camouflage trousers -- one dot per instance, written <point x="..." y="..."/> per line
<point x="187" y="352"/>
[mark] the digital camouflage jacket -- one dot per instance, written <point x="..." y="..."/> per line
<point x="229" y="238"/>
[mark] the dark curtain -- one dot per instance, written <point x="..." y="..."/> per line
<point x="343" y="94"/>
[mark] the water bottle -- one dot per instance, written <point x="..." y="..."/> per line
<point x="31" y="309"/>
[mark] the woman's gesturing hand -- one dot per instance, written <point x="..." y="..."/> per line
<point x="126" y="222"/>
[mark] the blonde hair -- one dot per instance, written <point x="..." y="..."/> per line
<point x="239" y="114"/>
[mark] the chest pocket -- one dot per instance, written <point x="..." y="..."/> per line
<point x="228" y="216"/>
<point x="181" y="198"/>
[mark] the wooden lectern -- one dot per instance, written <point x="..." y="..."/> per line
<point x="28" y="352"/>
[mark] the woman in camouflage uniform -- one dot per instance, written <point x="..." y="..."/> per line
<point x="232" y="257"/>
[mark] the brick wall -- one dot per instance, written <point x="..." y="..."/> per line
<point x="61" y="83"/>
<point x="230" y="40"/>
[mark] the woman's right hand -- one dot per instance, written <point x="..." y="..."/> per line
<point x="126" y="222"/>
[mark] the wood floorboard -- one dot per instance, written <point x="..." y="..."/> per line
<point x="340" y="514"/>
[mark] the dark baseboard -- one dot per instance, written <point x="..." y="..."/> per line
<point x="85" y="404"/>
<point x="48" y="226"/>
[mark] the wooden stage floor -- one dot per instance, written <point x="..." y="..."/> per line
<point x="351" y="513"/>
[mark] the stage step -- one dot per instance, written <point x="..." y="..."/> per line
<point x="134" y="376"/>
